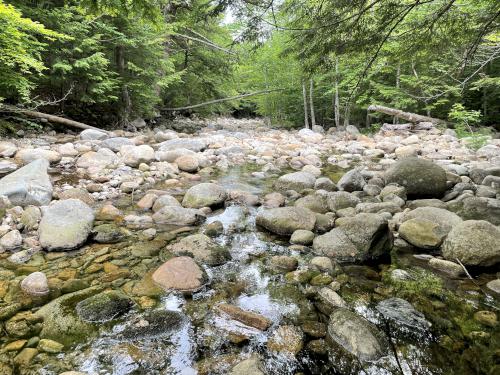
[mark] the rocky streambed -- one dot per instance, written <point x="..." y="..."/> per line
<point x="245" y="250"/>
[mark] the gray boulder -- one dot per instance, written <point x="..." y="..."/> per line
<point x="351" y="181"/>
<point x="193" y="144"/>
<point x="297" y="181"/>
<point x="286" y="220"/>
<point x="477" y="208"/>
<point x="356" y="335"/>
<point x="426" y="227"/>
<point x="341" y="199"/>
<point x="116" y="143"/>
<point x="474" y="243"/>
<point x="204" y="195"/>
<point x="314" y="202"/>
<point x="202" y="248"/>
<point x="358" y="238"/>
<point x="177" y="215"/>
<point x="65" y="225"/>
<point x="29" y="185"/>
<point x="92" y="134"/>
<point x="420" y="177"/>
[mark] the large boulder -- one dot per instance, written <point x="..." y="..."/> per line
<point x="29" y="185"/>
<point x="135" y="155"/>
<point x="180" y="273"/>
<point x="355" y="239"/>
<point x="202" y="248"/>
<point x="351" y="181"/>
<point x="474" y="243"/>
<point x="286" y="220"/>
<point x="297" y="181"/>
<point x="421" y="178"/>
<point x="426" y="227"/>
<point x="204" y="195"/>
<point x="65" y="225"/>
<point x="356" y="335"/>
<point x="177" y="215"/>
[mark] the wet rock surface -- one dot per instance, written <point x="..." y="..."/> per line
<point x="245" y="249"/>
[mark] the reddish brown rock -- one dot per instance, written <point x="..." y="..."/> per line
<point x="180" y="273"/>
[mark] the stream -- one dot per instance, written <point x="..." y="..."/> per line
<point x="204" y="342"/>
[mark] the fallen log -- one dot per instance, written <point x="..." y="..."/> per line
<point x="50" y="118"/>
<point x="222" y="100"/>
<point x="408" y="116"/>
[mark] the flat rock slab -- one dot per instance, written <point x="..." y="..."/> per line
<point x="29" y="185"/>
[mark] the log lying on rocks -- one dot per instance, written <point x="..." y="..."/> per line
<point x="46" y="116"/>
<point x="408" y="116"/>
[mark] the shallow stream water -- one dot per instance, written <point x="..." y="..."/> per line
<point x="205" y="342"/>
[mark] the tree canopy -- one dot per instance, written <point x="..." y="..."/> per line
<point x="108" y="62"/>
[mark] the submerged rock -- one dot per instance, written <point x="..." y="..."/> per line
<point x="402" y="313"/>
<point x="287" y="340"/>
<point x="60" y="321"/>
<point x="204" y="195"/>
<point x="65" y="225"/>
<point x="286" y="220"/>
<point x="420" y="177"/>
<point x="104" y="306"/>
<point x="356" y="335"/>
<point x="28" y="185"/>
<point x="248" y="318"/>
<point x="180" y="273"/>
<point x="151" y="324"/>
<point x="474" y="243"/>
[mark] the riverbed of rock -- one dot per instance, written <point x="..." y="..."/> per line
<point x="98" y="228"/>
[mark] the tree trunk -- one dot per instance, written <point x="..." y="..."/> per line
<point x="395" y="119"/>
<point x="304" y="95"/>
<point x="221" y="100"/>
<point x="336" y="102"/>
<point x="311" y="102"/>
<point x="408" y="116"/>
<point x="125" y="99"/>
<point x="46" y="116"/>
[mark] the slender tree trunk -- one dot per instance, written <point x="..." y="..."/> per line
<point x="395" y="119"/>
<point x="347" y="113"/>
<point x="126" y="101"/>
<point x="336" y="102"/>
<point x="311" y="102"/>
<point x="304" y="95"/>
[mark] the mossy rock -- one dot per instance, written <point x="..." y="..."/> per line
<point x="104" y="306"/>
